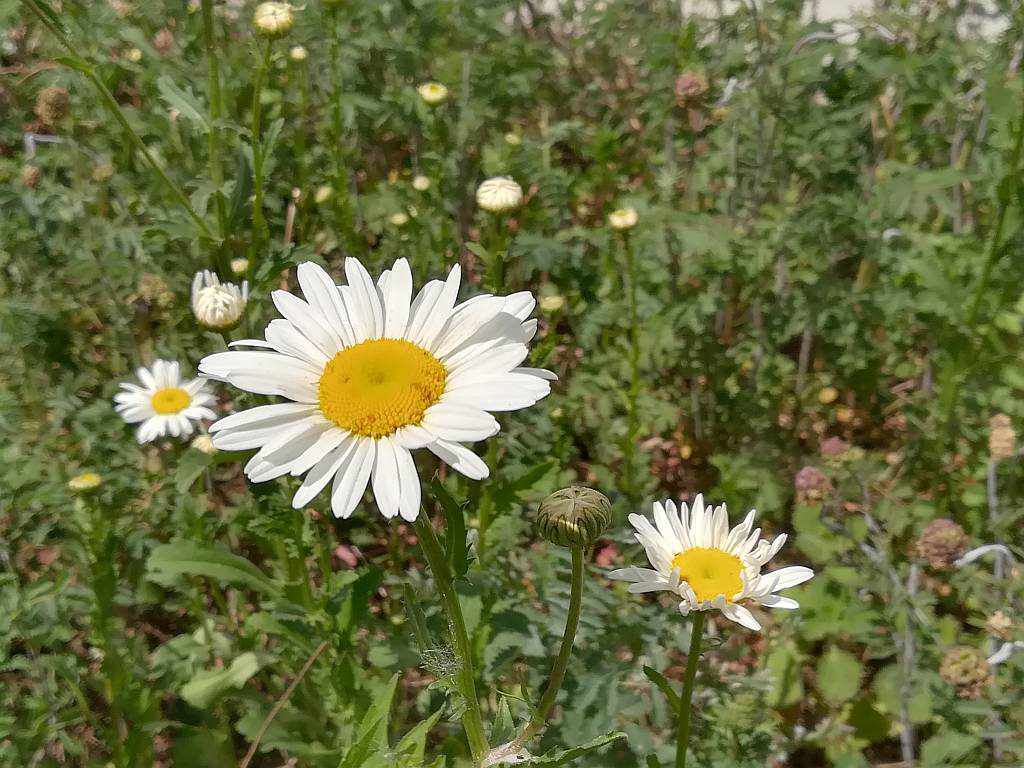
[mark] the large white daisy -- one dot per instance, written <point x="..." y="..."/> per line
<point x="373" y="374"/>
<point x="163" y="403"/>
<point x="697" y="557"/>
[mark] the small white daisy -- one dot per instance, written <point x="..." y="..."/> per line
<point x="164" y="403"/>
<point x="433" y="93"/>
<point x="696" y="556"/>
<point x="374" y="374"/>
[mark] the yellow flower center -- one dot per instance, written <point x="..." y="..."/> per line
<point x="710" y="572"/>
<point x="170" y="400"/>
<point x="375" y="387"/>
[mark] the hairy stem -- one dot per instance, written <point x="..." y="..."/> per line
<point x="216" y="113"/>
<point x="686" y="702"/>
<point x="557" y="675"/>
<point x="259" y="226"/>
<point x="472" y="720"/>
<point x="632" y="427"/>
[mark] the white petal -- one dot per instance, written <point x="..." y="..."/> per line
<point x="265" y="373"/>
<point x="351" y="479"/>
<point x="778" y="601"/>
<point x="366" y="301"/>
<point x="263" y="415"/>
<point x="741" y="616"/>
<point x="287" y="340"/>
<point x="397" y="298"/>
<point x="386" y="485"/>
<point x="459" y="422"/>
<point x="322" y="294"/>
<point x="308" y="321"/>
<point x="460" y="458"/>
<point x="409" y="504"/>
<point x="322" y="472"/>
<point x="431" y="317"/>
<point x="789" y="577"/>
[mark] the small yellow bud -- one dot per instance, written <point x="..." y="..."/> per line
<point x="513" y="139"/>
<point x="134" y="55"/>
<point x="87" y="481"/>
<point x="323" y="194"/>
<point x="552" y="303"/>
<point x="203" y="444"/>
<point x="828" y="395"/>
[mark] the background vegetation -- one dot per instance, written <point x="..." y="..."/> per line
<point x="828" y="265"/>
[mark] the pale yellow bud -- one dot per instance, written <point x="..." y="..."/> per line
<point x="274" y="19"/>
<point x="433" y="93"/>
<point x="623" y="219"/>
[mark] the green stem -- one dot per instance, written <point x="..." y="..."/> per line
<point x="632" y="427"/>
<point x="472" y="720"/>
<point x="342" y="205"/>
<point x="949" y="395"/>
<point x="557" y="675"/>
<point x="685" y="704"/>
<point x="259" y="226"/>
<point x="216" y="113"/>
<point x="486" y="504"/>
<point x="115" y="109"/>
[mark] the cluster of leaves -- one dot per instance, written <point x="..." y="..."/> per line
<point x="830" y="220"/>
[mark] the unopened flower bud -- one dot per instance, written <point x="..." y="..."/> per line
<point x="552" y="303"/>
<point x="433" y="93"/>
<point x="52" y="104"/>
<point x="399" y="219"/>
<point x="298" y="53"/>
<point x="204" y="444"/>
<point x="239" y="266"/>
<point x="421" y="183"/>
<point x="218" y="306"/>
<point x="965" y="668"/>
<point x="1002" y="439"/>
<point x="85" y="482"/>
<point x="323" y="193"/>
<point x="499" y="195"/>
<point x="274" y="19"/>
<point x="828" y="395"/>
<point x="623" y="219"/>
<point x="574" y="516"/>
<point x="941" y="543"/>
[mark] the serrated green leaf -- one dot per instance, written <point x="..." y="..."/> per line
<point x="838" y="676"/>
<point x="184" y="101"/>
<point x="562" y="756"/>
<point x="191" y="465"/>
<point x="188" y="558"/>
<point x="664" y="685"/>
<point x="455" y="545"/>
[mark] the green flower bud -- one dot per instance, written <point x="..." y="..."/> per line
<point x="574" y="515"/>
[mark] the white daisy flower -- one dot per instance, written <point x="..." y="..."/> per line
<point x="216" y="305"/>
<point x="696" y="556"/>
<point x="164" y="403"/>
<point x="433" y="93"/>
<point x="373" y="374"/>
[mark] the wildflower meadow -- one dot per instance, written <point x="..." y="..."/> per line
<point x="464" y="383"/>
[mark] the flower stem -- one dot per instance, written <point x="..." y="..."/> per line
<point x="540" y="715"/>
<point x="632" y="428"/>
<point x="685" y="704"/>
<point x="472" y="720"/>
<point x="74" y="61"/>
<point x="216" y="113"/>
<point x="258" y="224"/>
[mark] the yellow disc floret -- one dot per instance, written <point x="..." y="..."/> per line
<point x="375" y="387"/>
<point x="170" y="400"/>
<point x="710" y="572"/>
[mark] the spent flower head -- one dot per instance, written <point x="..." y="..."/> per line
<point x="698" y="558"/>
<point x="942" y="543"/>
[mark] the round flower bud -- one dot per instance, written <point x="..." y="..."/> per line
<point x="323" y="194"/>
<point x="499" y="195"/>
<point x="273" y="19"/>
<point x="421" y="183"/>
<point x="85" y="482"/>
<point x="574" y="516"/>
<point x="828" y="395"/>
<point x="52" y="104"/>
<point x="217" y="306"/>
<point x="102" y="172"/>
<point x="513" y="139"/>
<point x="399" y="219"/>
<point x="942" y="543"/>
<point x="552" y="303"/>
<point x="134" y="55"/>
<point x="622" y="219"/>
<point x="298" y="53"/>
<point x="204" y="444"/>
<point x="1002" y="439"/>
<point x="811" y="484"/>
<point x="240" y="265"/>
<point x="965" y="668"/>
<point x="433" y="93"/>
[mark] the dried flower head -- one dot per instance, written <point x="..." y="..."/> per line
<point x="30" y="175"/>
<point x="52" y="105"/>
<point x="499" y="195"/>
<point x="941" y="543"/>
<point x="999" y="625"/>
<point x="574" y="516"/>
<point x="811" y="484"/>
<point x="1002" y="439"/>
<point x="965" y="668"/>
<point x="163" y="41"/>
<point x="274" y="19"/>
<point x="691" y="88"/>
<point x="153" y="290"/>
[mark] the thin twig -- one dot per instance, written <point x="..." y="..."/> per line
<point x="279" y="704"/>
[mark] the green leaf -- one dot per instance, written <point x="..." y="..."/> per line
<point x="509" y="490"/>
<point x="413" y="744"/>
<point x="455" y="538"/>
<point x="184" y="101"/>
<point x="363" y="747"/>
<point x="838" y="676"/>
<point x="562" y="756"/>
<point x="191" y="465"/>
<point x="663" y="683"/>
<point x="378" y="715"/>
<point x="187" y="558"/>
<point x="207" y="685"/>
<point x="945" y="749"/>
